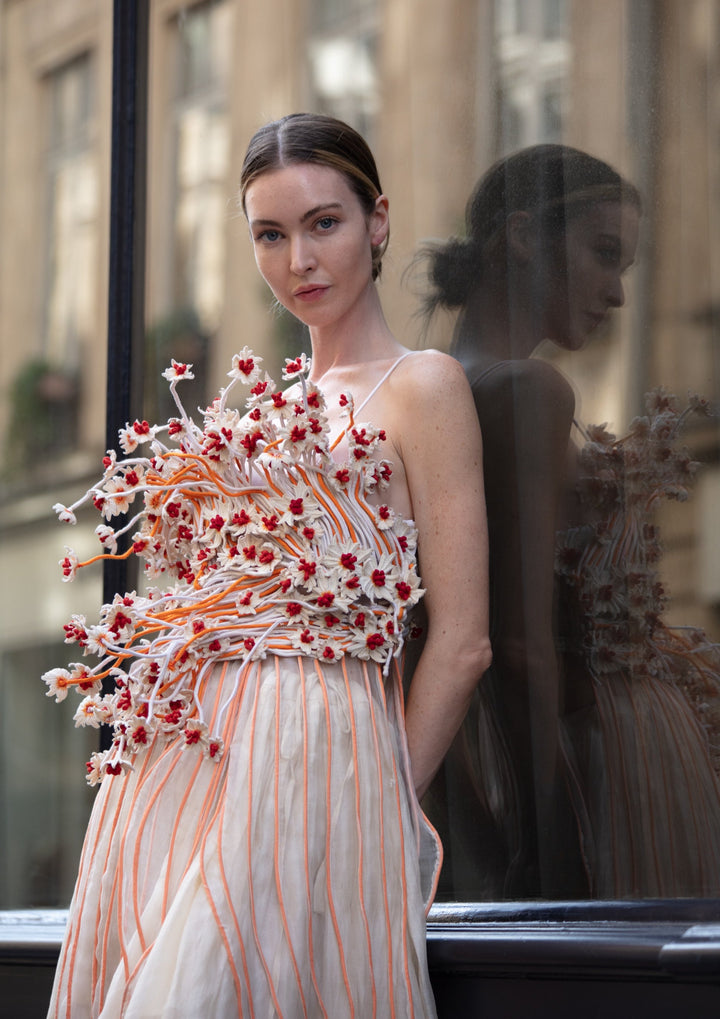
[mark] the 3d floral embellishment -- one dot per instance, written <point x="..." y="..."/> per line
<point x="106" y="537"/>
<point x="75" y="632"/>
<point x="178" y="371"/>
<point x="69" y="564"/>
<point x="246" y="367"/>
<point x="600" y="435"/>
<point x="87" y="713"/>
<point x="295" y="367"/>
<point x="347" y="404"/>
<point x="213" y="748"/>
<point x="195" y="733"/>
<point x="118" y="497"/>
<point x="700" y="405"/>
<point x="130" y="438"/>
<point x="610" y="564"/>
<point x="384" y="517"/>
<point x="254" y="530"/>
<point x="340" y="477"/>
<point x="65" y="515"/>
<point x="58" y="682"/>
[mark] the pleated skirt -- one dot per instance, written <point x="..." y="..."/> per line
<point x="290" y="879"/>
<point x="648" y="796"/>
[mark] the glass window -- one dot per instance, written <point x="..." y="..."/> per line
<point x="52" y="375"/>
<point x="588" y="765"/>
<point x="72" y="212"/>
<point x="185" y="315"/>
<point x="554" y="19"/>
<point x="201" y="143"/>
<point x="343" y="61"/>
<point x="534" y="56"/>
<point x="44" y="806"/>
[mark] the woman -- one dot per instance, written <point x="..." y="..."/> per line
<point x="286" y="869"/>
<point x="551" y="231"/>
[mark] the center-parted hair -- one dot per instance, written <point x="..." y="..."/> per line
<point x="551" y="182"/>
<point x="316" y="138"/>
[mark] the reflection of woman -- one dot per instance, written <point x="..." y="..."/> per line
<point x="290" y="877"/>
<point x="550" y="232"/>
<point x="642" y="756"/>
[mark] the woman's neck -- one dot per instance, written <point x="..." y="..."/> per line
<point x="360" y="337"/>
<point x="502" y="330"/>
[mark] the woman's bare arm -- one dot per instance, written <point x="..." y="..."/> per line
<point x="441" y="449"/>
<point x="526" y="410"/>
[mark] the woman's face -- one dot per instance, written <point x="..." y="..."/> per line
<point x="587" y="265"/>
<point x="313" y="240"/>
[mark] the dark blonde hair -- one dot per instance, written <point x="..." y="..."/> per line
<point x="316" y="138"/>
<point x="551" y="182"/>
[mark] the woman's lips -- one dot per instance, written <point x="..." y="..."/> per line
<point x="310" y="293"/>
<point x="595" y="318"/>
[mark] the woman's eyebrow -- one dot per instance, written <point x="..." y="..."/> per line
<point x="320" y="208"/>
<point x="307" y="215"/>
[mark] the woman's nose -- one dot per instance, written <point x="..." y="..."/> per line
<point x="302" y="259"/>
<point x="615" y="292"/>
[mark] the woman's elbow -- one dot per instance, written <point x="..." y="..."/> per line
<point x="483" y="657"/>
<point x="475" y="657"/>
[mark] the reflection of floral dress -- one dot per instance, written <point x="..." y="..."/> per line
<point x="645" y="757"/>
<point x="256" y="847"/>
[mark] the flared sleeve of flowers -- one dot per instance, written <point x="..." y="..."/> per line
<point x="254" y="542"/>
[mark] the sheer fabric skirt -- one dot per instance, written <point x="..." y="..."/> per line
<point x="291" y="879"/>
<point x="648" y="795"/>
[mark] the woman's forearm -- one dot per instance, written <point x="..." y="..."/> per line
<point x="437" y="703"/>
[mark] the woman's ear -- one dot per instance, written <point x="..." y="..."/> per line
<point x="379" y="222"/>
<point x="521" y="236"/>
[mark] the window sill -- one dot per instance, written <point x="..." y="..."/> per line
<point x="658" y="940"/>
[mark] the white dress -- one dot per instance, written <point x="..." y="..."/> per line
<point x="256" y="847"/>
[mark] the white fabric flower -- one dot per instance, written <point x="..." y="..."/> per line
<point x="178" y="371"/>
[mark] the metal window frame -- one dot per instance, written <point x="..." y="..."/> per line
<point x="128" y="203"/>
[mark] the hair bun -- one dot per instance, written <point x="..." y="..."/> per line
<point x="454" y="266"/>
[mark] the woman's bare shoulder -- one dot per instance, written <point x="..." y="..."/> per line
<point x="432" y="370"/>
<point x="530" y="380"/>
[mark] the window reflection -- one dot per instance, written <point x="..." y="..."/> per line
<point x="201" y="144"/>
<point x="342" y="55"/>
<point x="441" y="98"/>
<point x="187" y="301"/>
<point x="52" y="377"/>
<point x="44" y="810"/>
<point x="534" y="55"/>
<point x="72" y="212"/>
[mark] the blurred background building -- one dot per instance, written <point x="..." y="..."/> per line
<point x="441" y="90"/>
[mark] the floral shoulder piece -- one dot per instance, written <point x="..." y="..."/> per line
<point x="263" y="543"/>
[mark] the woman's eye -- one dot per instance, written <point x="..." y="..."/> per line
<point x="268" y="235"/>
<point x="326" y="223"/>
<point x="608" y="256"/>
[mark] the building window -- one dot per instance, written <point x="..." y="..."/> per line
<point x="72" y="204"/>
<point x="343" y="58"/>
<point x="202" y="36"/>
<point x="201" y="146"/>
<point x="533" y="55"/>
<point x="43" y="396"/>
<point x="44" y="805"/>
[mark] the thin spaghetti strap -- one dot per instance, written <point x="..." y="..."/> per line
<point x="383" y="380"/>
<point x="370" y="395"/>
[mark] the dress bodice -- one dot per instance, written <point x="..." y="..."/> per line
<point x="265" y="543"/>
<point x="608" y="564"/>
